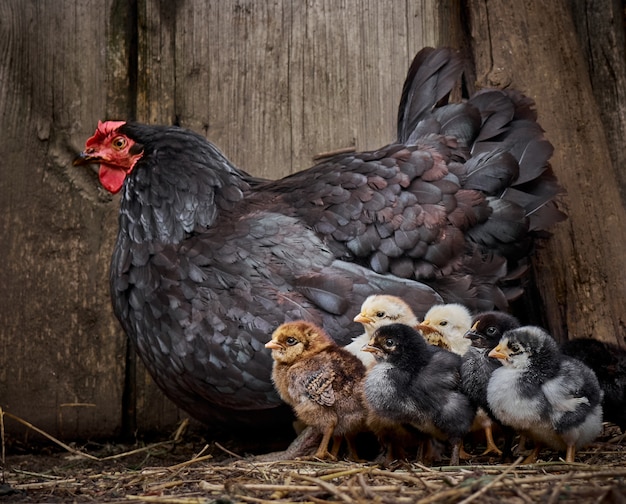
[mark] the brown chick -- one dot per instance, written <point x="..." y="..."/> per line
<point x="321" y="381"/>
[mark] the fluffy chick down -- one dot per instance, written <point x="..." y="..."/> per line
<point x="321" y="381"/>
<point x="552" y="398"/>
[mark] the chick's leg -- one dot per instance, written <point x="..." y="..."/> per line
<point x="322" y="452"/>
<point x="491" y="445"/>
<point x="463" y="455"/>
<point x="570" y="454"/>
<point x="336" y="445"/>
<point x="456" y="450"/>
<point x="534" y="455"/>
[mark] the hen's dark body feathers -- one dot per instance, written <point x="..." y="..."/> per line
<point x="210" y="260"/>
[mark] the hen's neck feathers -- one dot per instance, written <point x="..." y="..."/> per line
<point x="179" y="185"/>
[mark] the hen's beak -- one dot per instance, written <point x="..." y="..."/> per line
<point x="273" y="345"/>
<point x="498" y="353"/>
<point x="85" y="158"/>
<point x="363" y="319"/>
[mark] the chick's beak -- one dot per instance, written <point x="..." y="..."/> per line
<point x="369" y="348"/>
<point x="471" y="335"/>
<point x="498" y="352"/>
<point x="363" y="319"/>
<point x="273" y="345"/>
<point x="426" y="328"/>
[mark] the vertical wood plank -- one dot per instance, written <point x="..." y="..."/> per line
<point x="58" y="341"/>
<point x="533" y="47"/>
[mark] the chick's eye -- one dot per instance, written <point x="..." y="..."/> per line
<point x="491" y="331"/>
<point x="119" y="143"/>
<point x="380" y="314"/>
<point x="514" y="347"/>
<point x="389" y="342"/>
<point x="291" y="341"/>
<point x="443" y="323"/>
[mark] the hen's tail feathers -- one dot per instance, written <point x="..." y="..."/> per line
<point x="506" y="154"/>
<point x="502" y="153"/>
<point x="430" y="79"/>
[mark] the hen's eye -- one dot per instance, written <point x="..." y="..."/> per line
<point x="380" y="314"/>
<point x="119" y="143"/>
<point x="291" y="341"/>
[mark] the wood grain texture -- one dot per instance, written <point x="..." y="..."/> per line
<point x="601" y="30"/>
<point x="59" y="344"/>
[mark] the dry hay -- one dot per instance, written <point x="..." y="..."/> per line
<point x="186" y="471"/>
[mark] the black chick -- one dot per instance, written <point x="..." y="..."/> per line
<point x="418" y="384"/>
<point x="608" y="361"/>
<point x="477" y="366"/>
<point x="552" y="398"/>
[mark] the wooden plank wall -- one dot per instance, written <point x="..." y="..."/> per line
<point x="271" y="83"/>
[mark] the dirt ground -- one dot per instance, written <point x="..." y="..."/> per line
<point x="190" y="469"/>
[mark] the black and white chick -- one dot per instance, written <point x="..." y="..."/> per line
<point x="477" y="366"/>
<point x="608" y="361"/>
<point x="552" y="398"/>
<point x="376" y="311"/>
<point x="418" y="384"/>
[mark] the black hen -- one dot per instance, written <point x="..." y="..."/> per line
<point x="210" y="260"/>
<point x="609" y="363"/>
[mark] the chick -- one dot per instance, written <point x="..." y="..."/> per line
<point x="321" y="381"/>
<point x="378" y="310"/>
<point x="445" y="325"/>
<point x="608" y="361"/>
<point x="418" y="384"/>
<point x="477" y="367"/>
<point x="552" y="398"/>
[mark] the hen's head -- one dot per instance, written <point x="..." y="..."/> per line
<point x="294" y="341"/>
<point x="115" y="152"/>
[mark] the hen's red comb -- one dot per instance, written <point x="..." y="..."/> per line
<point x="103" y="130"/>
